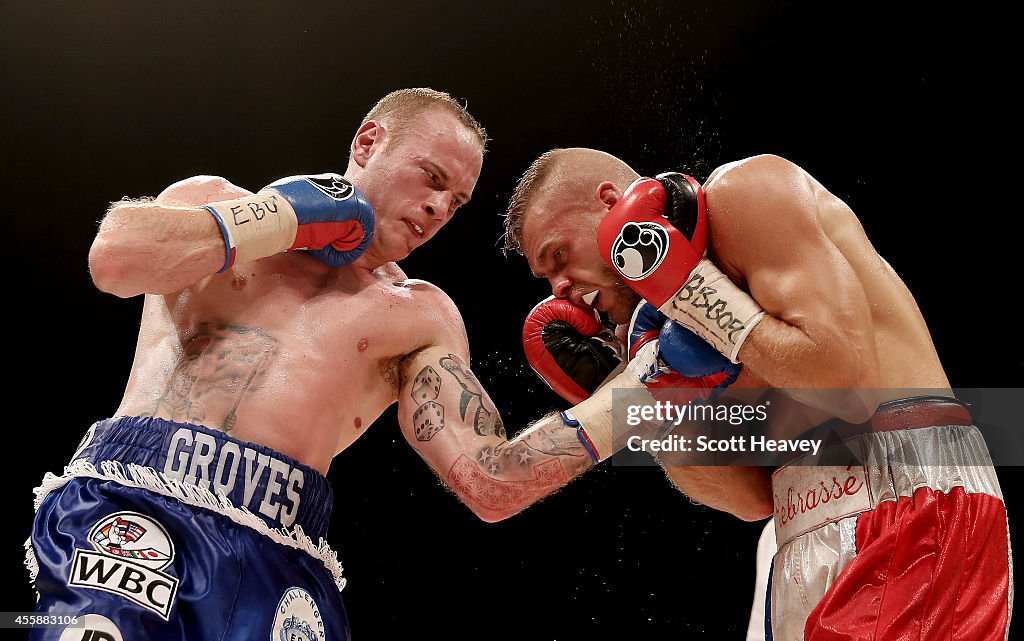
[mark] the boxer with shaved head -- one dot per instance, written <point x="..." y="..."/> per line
<point x="277" y="327"/>
<point x="776" y="286"/>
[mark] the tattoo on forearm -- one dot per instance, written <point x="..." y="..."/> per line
<point x="538" y="443"/>
<point x="473" y="404"/>
<point x="473" y="484"/>
<point x="499" y="458"/>
<point x="560" y="440"/>
<point x="218" y="360"/>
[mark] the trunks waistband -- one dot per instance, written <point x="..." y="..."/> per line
<point x="274" y="487"/>
<point x="908" y="444"/>
<point x="906" y="414"/>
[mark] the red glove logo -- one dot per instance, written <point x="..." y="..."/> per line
<point x="655" y="234"/>
<point x="639" y="249"/>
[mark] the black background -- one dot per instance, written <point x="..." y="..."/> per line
<point x="894" y="108"/>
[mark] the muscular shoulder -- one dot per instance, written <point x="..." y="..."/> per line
<point x="433" y="323"/>
<point x="756" y="202"/>
<point x="756" y="179"/>
<point x="199" y="190"/>
<point x="442" y="320"/>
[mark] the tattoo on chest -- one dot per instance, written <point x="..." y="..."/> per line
<point x="474" y="406"/>
<point x="220" y="366"/>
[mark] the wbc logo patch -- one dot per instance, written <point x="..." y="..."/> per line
<point x="639" y="249"/>
<point x="118" y="536"/>
<point x="130" y="550"/>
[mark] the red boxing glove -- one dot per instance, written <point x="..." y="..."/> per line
<point x="569" y="348"/>
<point x="655" y="235"/>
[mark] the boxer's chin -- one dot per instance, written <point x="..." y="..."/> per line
<point x="626" y="300"/>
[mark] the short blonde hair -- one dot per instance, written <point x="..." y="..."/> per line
<point x="401" y="106"/>
<point x="568" y="170"/>
<point x="534" y="176"/>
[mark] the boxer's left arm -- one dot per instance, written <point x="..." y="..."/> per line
<point x="817" y="332"/>
<point x="451" y="422"/>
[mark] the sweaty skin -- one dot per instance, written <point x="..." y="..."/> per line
<point x="301" y="357"/>
<point x="841" y="325"/>
<point x="838" y="315"/>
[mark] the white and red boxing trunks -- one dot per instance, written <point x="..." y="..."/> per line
<point x="909" y="544"/>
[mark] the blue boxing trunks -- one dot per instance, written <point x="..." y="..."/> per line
<point x="160" y="530"/>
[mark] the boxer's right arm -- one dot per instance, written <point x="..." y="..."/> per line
<point x="804" y="325"/>
<point x="162" y="245"/>
<point x="743" y="491"/>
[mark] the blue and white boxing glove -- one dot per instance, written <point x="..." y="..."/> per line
<point x="690" y="361"/>
<point x="322" y="213"/>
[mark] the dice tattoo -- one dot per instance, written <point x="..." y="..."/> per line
<point x="428" y="420"/>
<point x="474" y="408"/>
<point x="426" y="386"/>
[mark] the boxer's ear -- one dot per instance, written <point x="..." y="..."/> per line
<point x="608" y="193"/>
<point x="369" y="140"/>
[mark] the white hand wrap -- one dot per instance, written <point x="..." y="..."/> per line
<point x="595" y="413"/>
<point x="254" y="227"/>
<point x="714" y="308"/>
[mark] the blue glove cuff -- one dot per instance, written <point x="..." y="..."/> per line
<point x="581" y="434"/>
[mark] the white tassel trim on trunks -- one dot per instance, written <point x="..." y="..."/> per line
<point x="149" y="479"/>
<point x="31" y="563"/>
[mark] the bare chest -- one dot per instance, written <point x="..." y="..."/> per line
<point x="322" y="326"/>
<point x="294" y="362"/>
